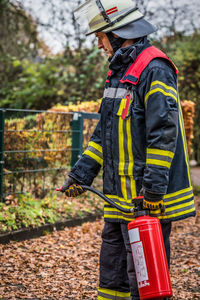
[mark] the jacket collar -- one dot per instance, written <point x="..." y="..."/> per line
<point x="125" y="56"/>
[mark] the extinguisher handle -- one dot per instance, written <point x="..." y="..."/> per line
<point x="111" y="202"/>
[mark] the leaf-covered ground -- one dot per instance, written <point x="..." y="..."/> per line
<point x="64" y="264"/>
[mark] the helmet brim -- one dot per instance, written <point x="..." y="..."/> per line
<point x="136" y="29"/>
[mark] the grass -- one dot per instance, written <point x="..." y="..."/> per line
<point x="26" y="211"/>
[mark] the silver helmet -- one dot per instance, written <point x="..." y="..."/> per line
<point x="121" y="17"/>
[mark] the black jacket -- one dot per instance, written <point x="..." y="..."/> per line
<point x="140" y="138"/>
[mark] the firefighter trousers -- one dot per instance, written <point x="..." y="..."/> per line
<point x="117" y="275"/>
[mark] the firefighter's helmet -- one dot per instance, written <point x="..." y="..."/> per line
<point x="122" y="17"/>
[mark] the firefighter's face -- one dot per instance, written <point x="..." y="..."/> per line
<point x="104" y="43"/>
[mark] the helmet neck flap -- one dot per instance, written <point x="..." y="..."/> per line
<point x="116" y="43"/>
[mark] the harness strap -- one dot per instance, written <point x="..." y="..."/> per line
<point x="133" y="73"/>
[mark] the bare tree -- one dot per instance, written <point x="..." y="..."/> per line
<point x="17" y="28"/>
<point x="56" y="22"/>
<point x="172" y="16"/>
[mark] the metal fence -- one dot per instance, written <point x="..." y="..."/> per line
<point x="38" y="148"/>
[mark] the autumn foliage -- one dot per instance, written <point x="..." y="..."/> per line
<point x="46" y="131"/>
<point x="65" y="264"/>
<point x="188" y="109"/>
<point x="42" y="141"/>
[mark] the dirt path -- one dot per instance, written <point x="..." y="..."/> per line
<point x="64" y="265"/>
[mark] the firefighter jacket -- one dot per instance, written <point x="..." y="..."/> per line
<point x="140" y="139"/>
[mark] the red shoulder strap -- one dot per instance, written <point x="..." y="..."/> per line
<point x="133" y="73"/>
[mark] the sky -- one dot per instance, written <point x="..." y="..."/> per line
<point x="55" y="35"/>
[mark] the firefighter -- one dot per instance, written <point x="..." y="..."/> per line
<point x="139" y="140"/>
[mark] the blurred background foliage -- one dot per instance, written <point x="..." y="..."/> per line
<point x="73" y="77"/>
<point x="34" y="77"/>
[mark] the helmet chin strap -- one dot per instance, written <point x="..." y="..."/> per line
<point x="116" y="43"/>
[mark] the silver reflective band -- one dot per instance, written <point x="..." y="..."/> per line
<point x="115" y="93"/>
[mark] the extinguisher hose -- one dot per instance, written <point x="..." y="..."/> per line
<point x="112" y="203"/>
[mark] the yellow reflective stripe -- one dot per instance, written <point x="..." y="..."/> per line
<point x="130" y="163"/>
<point x="178" y="193"/>
<point x="124" y="170"/>
<point x="174" y="208"/>
<point x="165" y="86"/>
<point x="122" y="158"/>
<point x="184" y="140"/>
<point x="158" y="90"/>
<point x="121" y="107"/>
<point x="103" y="290"/>
<point x="179" y="206"/>
<point x="121" y="168"/>
<point x="121" y="142"/>
<point x="160" y="152"/>
<point x="182" y="213"/>
<point x="129" y="146"/>
<point x="94" y="156"/>
<point x="114" y="293"/>
<point x="96" y="146"/>
<point x="115" y="209"/>
<point x="178" y="200"/>
<point x="155" y="212"/>
<point x="133" y="188"/>
<point x="131" y="159"/>
<point x="158" y="162"/>
<point x="120" y="294"/>
<point x="102" y="298"/>
<point x="123" y="186"/>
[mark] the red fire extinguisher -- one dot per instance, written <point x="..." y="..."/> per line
<point x="148" y="250"/>
<point x="149" y="255"/>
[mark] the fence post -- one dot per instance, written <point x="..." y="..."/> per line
<point x="2" y="118"/>
<point x="77" y="137"/>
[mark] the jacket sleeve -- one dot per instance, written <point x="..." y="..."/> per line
<point x="88" y="166"/>
<point x="160" y="98"/>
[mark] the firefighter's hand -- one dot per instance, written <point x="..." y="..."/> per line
<point x="71" y="188"/>
<point x="153" y="201"/>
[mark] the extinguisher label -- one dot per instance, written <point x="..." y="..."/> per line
<point x="134" y="235"/>
<point x="139" y="262"/>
